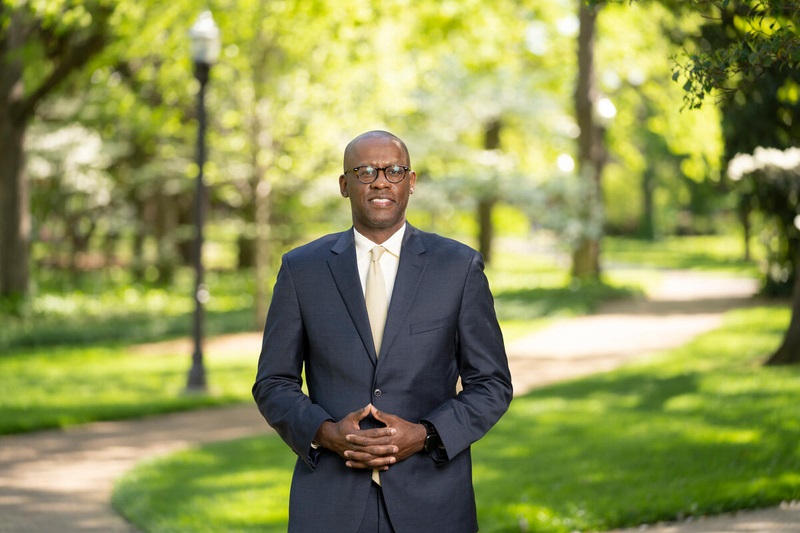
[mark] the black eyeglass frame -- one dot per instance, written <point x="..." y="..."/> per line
<point x="378" y="173"/>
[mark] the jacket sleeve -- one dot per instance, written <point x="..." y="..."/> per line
<point x="278" y="387"/>
<point x="483" y="368"/>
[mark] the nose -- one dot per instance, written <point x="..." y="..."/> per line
<point x="381" y="183"/>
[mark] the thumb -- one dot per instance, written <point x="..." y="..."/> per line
<point x="364" y="411"/>
<point x="377" y="414"/>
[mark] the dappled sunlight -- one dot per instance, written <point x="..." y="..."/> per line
<point x="218" y="487"/>
<point x="657" y="440"/>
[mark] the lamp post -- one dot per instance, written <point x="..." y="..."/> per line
<point x="205" y="51"/>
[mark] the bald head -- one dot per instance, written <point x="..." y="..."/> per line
<point x="375" y="134"/>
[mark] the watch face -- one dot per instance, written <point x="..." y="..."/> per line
<point x="430" y="442"/>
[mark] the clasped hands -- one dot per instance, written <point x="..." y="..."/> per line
<point x="376" y="448"/>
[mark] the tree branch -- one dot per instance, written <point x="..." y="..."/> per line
<point x="74" y="58"/>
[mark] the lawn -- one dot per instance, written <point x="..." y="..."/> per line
<point x="696" y="430"/>
<point x="65" y="386"/>
<point x="719" y="253"/>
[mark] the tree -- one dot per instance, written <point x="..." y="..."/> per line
<point x="765" y="37"/>
<point x="772" y="179"/>
<point x="486" y="93"/>
<point x="61" y="37"/>
<point x="592" y="155"/>
<point x="748" y="55"/>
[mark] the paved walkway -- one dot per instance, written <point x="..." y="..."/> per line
<point x="61" y="481"/>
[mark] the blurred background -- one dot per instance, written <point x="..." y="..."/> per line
<point x="158" y="158"/>
<point x="568" y="122"/>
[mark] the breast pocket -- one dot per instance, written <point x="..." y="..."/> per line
<point x="431" y="325"/>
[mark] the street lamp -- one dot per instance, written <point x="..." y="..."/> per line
<point x="205" y="51"/>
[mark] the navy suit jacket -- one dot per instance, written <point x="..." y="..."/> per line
<point x="441" y="326"/>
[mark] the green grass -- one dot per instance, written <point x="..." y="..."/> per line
<point x="718" y="253"/>
<point x="67" y="359"/>
<point x="65" y="386"/>
<point x="103" y="307"/>
<point x="700" y="429"/>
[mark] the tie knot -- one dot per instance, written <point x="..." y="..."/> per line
<point x="377" y="252"/>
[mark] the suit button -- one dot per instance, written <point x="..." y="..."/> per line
<point x="377" y="392"/>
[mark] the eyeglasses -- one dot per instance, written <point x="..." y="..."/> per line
<point x="368" y="174"/>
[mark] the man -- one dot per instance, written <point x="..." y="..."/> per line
<point x="383" y="435"/>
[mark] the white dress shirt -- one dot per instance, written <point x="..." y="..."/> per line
<point x="389" y="262"/>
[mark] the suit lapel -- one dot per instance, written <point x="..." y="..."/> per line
<point x="409" y="273"/>
<point x="344" y="269"/>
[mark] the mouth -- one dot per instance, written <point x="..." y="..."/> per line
<point x="381" y="202"/>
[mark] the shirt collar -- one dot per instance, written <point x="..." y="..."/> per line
<point x="393" y="244"/>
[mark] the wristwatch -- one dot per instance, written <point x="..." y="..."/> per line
<point x="432" y="439"/>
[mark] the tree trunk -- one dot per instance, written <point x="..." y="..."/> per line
<point x="166" y="224"/>
<point x="262" y="195"/>
<point x="486" y="227"/>
<point x="138" y="262"/>
<point x="591" y="150"/>
<point x="491" y="141"/>
<point x="647" y="229"/>
<point x="15" y="222"/>
<point x="789" y="351"/>
<point x="585" y="260"/>
<point x="17" y="108"/>
<point x="744" y="218"/>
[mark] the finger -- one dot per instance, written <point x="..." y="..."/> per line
<point x="356" y="465"/>
<point x="373" y="446"/>
<point x="363" y="412"/>
<point x="375" y="412"/>
<point x="366" y="460"/>
<point x="374" y="433"/>
<point x="353" y="419"/>
<point x="358" y="414"/>
<point x="379" y="454"/>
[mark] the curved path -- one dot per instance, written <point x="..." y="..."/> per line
<point x="61" y="481"/>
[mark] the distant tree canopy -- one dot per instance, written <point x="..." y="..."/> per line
<point x="480" y="91"/>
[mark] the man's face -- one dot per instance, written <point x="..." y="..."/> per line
<point x="379" y="209"/>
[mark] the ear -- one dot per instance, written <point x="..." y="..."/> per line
<point x="343" y="186"/>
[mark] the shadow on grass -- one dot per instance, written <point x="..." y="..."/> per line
<point x="131" y="328"/>
<point x="584" y="456"/>
<point x="607" y="459"/>
<point x="699" y="430"/>
<point x="237" y="486"/>
<point x="705" y="431"/>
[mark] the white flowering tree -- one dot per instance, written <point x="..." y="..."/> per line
<point x="771" y="179"/>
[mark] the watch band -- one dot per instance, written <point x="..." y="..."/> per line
<point x="432" y="439"/>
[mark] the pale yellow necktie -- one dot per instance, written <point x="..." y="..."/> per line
<point x="375" y="296"/>
<point x="377" y="306"/>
